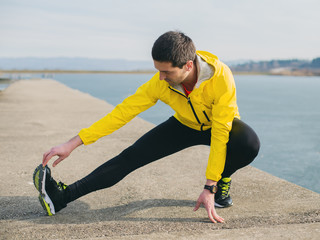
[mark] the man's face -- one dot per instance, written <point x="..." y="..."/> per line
<point x="172" y="75"/>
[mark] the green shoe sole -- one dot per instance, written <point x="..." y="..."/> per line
<point x="45" y="206"/>
<point x="38" y="177"/>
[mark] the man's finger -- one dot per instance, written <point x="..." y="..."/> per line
<point x="56" y="162"/>
<point x="210" y="216"/>
<point x="45" y="155"/>
<point x="47" y="158"/>
<point x="197" y="206"/>
<point x="217" y="217"/>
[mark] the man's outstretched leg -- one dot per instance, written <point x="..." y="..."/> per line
<point x="163" y="140"/>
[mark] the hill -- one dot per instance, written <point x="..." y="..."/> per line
<point x="280" y="67"/>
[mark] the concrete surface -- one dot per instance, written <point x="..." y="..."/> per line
<point x="154" y="202"/>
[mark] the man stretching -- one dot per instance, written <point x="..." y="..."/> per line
<point x="201" y="91"/>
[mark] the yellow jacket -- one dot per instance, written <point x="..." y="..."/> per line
<point x="211" y="104"/>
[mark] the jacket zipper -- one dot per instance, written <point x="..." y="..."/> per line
<point x="205" y="114"/>
<point x="194" y="112"/>
<point x="189" y="101"/>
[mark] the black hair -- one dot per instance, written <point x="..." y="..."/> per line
<point x="174" y="47"/>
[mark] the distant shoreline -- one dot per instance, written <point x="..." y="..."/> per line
<point x="280" y="73"/>
<point x="75" y="71"/>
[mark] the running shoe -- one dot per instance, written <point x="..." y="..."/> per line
<point x="222" y="196"/>
<point x="52" y="194"/>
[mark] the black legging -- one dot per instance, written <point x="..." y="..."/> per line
<point x="167" y="138"/>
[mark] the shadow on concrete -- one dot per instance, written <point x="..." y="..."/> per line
<point x="28" y="208"/>
<point x="137" y="217"/>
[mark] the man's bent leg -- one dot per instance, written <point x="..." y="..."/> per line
<point x="242" y="148"/>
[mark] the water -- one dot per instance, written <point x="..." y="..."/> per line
<point x="113" y="88"/>
<point x="4" y="83"/>
<point x="284" y="111"/>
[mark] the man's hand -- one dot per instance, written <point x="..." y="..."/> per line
<point x="62" y="151"/>
<point x="207" y="199"/>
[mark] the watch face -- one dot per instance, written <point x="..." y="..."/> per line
<point x="214" y="189"/>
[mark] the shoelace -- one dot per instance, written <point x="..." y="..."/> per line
<point x="62" y="186"/>
<point x="225" y="188"/>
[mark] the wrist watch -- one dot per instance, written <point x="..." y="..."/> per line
<point x="213" y="189"/>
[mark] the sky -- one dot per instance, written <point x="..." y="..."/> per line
<point x="125" y="29"/>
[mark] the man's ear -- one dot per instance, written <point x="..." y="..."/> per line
<point x="189" y="65"/>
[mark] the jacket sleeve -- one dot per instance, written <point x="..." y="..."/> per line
<point x="224" y="110"/>
<point x="145" y="97"/>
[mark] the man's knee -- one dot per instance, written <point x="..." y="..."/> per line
<point x="245" y="138"/>
<point x="254" y="145"/>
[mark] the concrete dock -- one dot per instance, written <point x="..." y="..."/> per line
<point x="154" y="202"/>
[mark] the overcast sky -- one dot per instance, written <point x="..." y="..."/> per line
<point x="231" y="29"/>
